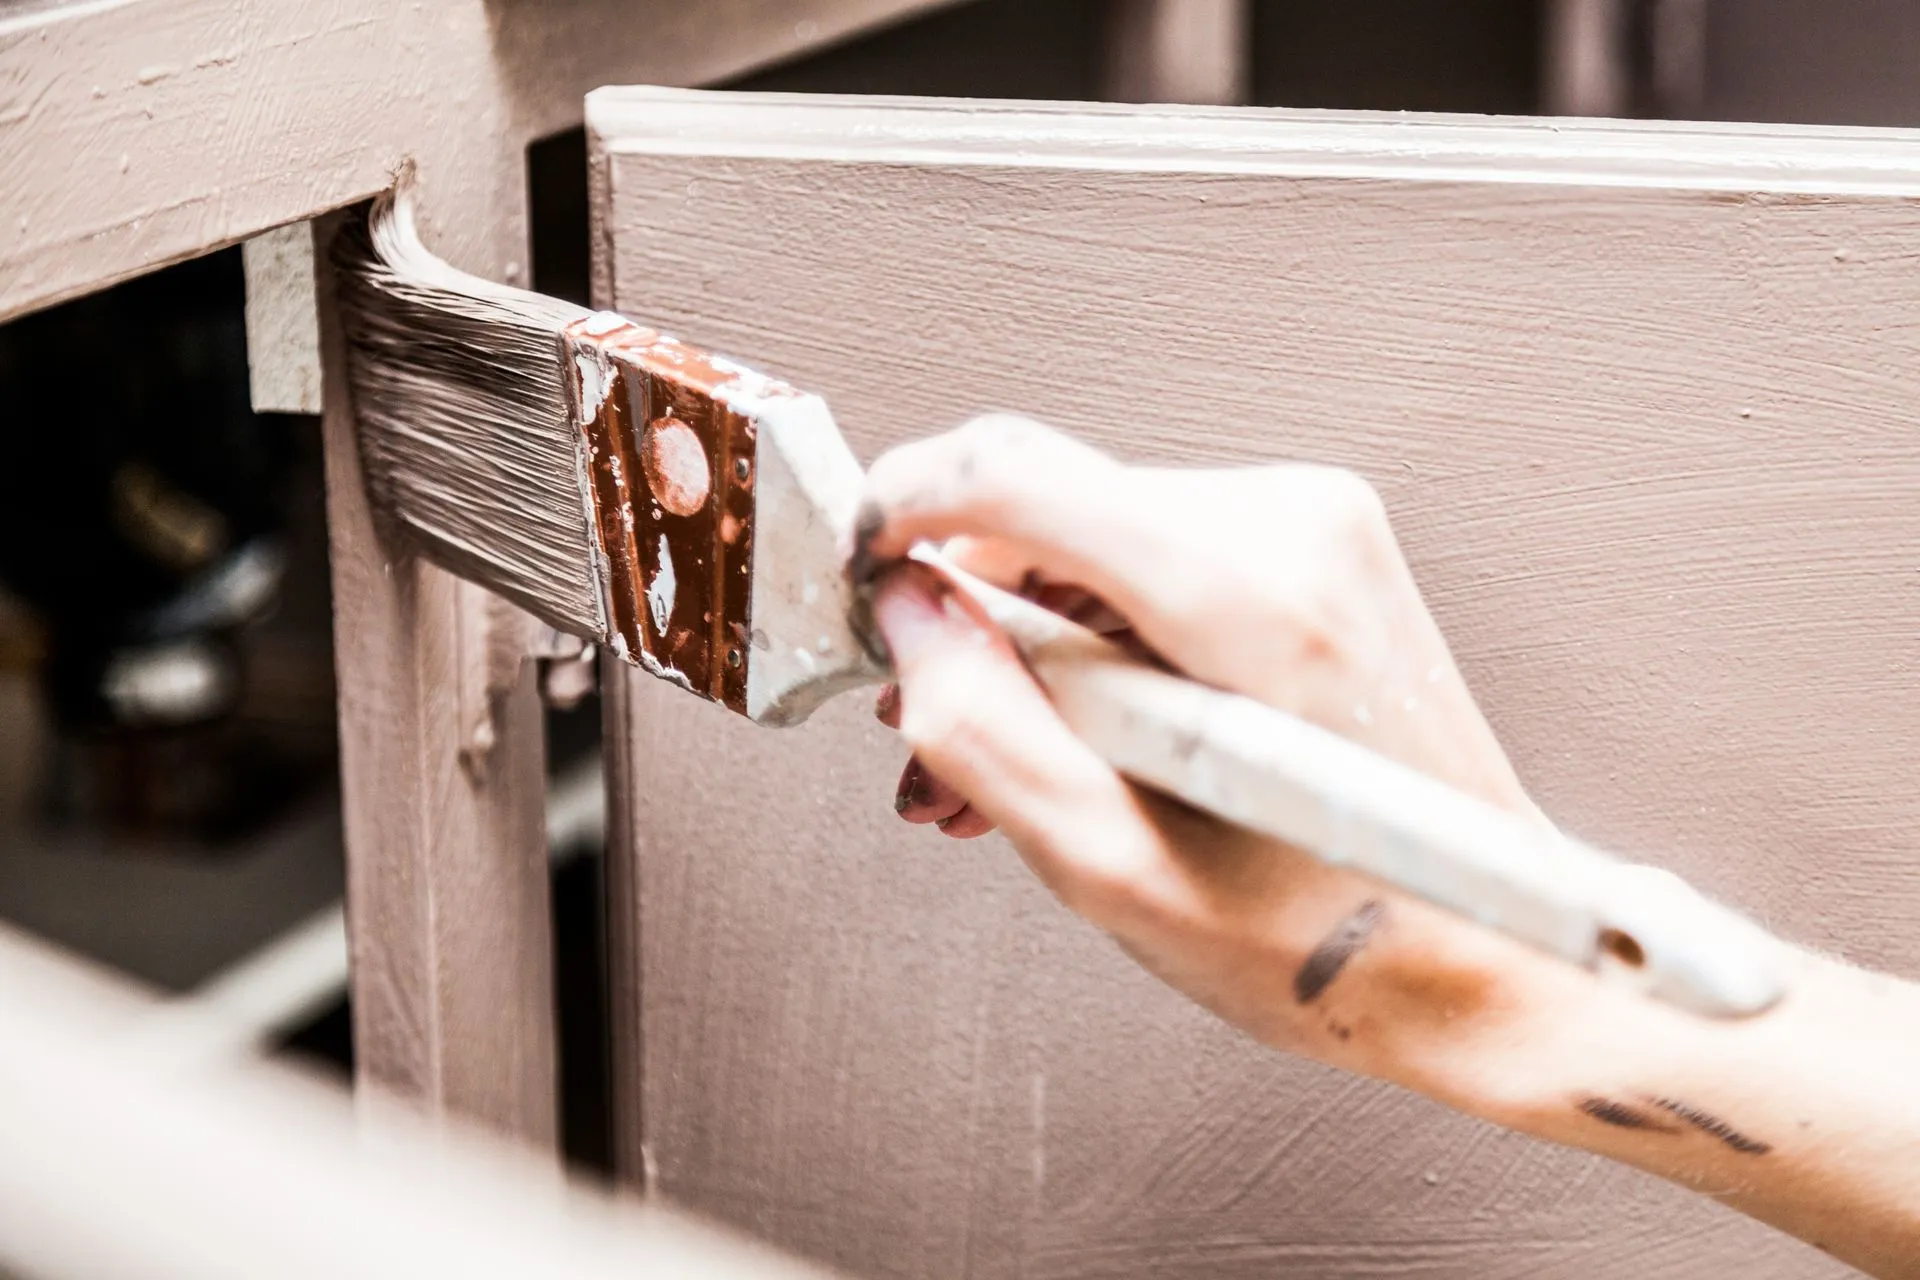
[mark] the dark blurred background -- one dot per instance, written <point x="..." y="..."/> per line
<point x="167" y="793"/>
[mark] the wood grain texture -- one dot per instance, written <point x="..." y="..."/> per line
<point x="134" y="133"/>
<point x="1640" y="401"/>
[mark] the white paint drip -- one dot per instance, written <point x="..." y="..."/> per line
<point x="602" y="323"/>
<point x="654" y="667"/>
<point x="593" y="385"/>
<point x="660" y="594"/>
<point x="747" y="391"/>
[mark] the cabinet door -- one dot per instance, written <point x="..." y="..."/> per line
<point x="1641" y="401"/>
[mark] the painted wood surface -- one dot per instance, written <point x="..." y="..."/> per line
<point x="135" y="133"/>
<point x="1641" y="401"/>
<point x="442" y="772"/>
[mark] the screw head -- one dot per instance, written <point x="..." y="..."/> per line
<point x="734" y="659"/>
<point x="742" y="469"/>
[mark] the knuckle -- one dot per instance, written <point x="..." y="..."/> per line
<point x="1352" y="505"/>
<point x="1003" y="458"/>
<point x="1000" y="431"/>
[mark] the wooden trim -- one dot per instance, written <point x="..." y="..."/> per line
<point x="442" y="782"/>
<point x="621" y="729"/>
<point x="1661" y="155"/>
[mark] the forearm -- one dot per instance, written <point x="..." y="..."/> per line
<point x="1806" y="1117"/>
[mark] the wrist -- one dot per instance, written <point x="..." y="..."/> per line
<point x="1480" y="1021"/>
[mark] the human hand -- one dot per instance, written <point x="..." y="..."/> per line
<point x="1280" y="583"/>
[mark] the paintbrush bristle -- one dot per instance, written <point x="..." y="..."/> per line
<point x="613" y="481"/>
<point x="466" y="434"/>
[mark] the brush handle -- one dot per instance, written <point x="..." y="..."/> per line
<point x="1276" y="774"/>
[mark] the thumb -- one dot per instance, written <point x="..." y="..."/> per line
<point x="975" y="717"/>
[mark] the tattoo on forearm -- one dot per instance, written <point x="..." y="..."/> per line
<point x="1713" y="1125"/>
<point x="1623" y="1116"/>
<point x="1338" y="947"/>
<point x="1651" y="1118"/>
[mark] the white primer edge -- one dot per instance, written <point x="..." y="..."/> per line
<point x="1781" y="159"/>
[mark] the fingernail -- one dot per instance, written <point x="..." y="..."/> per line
<point x="909" y="609"/>
<point x="966" y="824"/>
<point x="886" y="708"/>
<point x="903" y="796"/>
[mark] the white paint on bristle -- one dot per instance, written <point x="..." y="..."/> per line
<point x="470" y="443"/>
<point x="594" y="384"/>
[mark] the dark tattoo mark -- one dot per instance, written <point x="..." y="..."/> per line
<point x="1713" y="1126"/>
<point x="1338" y="947"/>
<point x="1622" y="1116"/>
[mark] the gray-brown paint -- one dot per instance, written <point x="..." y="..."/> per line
<point x="1652" y="450"/>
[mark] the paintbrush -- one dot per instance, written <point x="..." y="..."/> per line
<point x="687" y="512"/>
